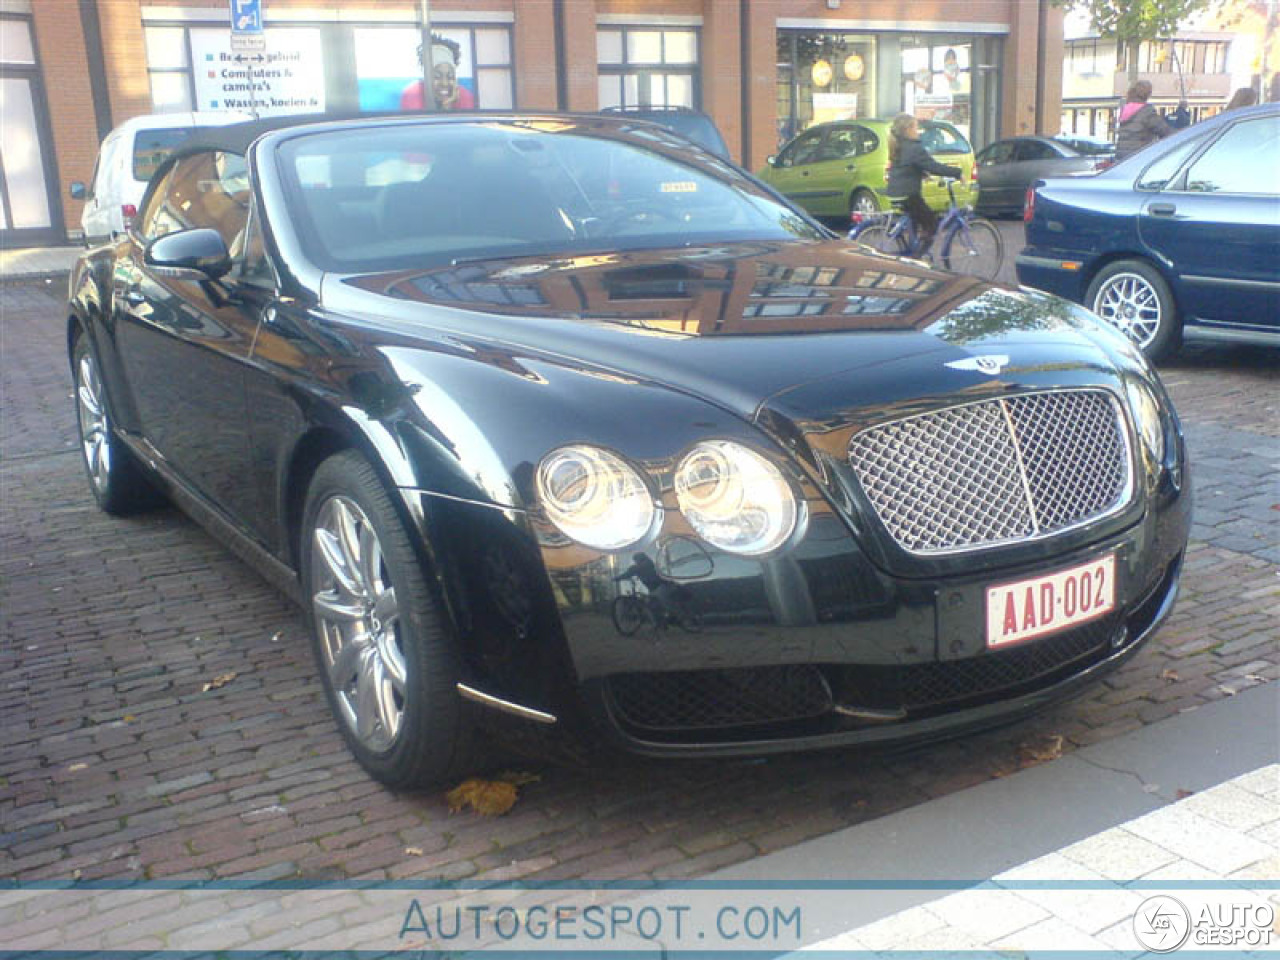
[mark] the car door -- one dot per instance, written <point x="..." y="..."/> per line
<point x="96" y="221"/>
<point x="994" y="165"/>
<point x="832" y="173"/>
<point x="183" y="339"/>
<point x="793" y="176"/>
<point x="1219" y="226"/>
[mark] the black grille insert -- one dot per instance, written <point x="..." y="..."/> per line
<point x="921" y="686"/>
<point x="720" y="699"/>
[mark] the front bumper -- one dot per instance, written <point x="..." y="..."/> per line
<point x="826" y="649"/>
<point x="1062" y="273"/>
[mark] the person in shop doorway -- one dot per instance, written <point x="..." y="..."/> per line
<point x="1138" y="123"/>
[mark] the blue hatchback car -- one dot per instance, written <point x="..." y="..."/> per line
<point x="1183" y="236"/>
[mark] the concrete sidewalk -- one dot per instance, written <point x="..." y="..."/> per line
<point x="37" y="263"/>
<point x="1192" y="798"/>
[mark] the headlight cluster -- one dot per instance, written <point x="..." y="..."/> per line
<point x="1146" y="416"/>
<point x="734" y="498"/>
<point x="594" y="497"/>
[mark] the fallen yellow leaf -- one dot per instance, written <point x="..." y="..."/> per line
<point x="413" y="851"/>
<point x="489" y="798"/>
<point x="1040" y="750"/>
<point x="1169" y="676"/>
<point x="221" y="680"/>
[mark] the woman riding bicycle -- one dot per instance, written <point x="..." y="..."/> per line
<point x="909" y="162"/>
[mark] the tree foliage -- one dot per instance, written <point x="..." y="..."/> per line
<point x="1131" y="21"/>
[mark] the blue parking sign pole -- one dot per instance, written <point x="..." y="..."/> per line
<point x="248" y="41"/>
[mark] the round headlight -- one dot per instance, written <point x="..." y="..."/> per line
<point x="594" y="497"/>
<point x="735" y="499"/>
<point x="1146" y="415"/>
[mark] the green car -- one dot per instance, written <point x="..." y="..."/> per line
<point x="835" y="169"/>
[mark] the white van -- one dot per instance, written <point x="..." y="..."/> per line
<point x="126" y="160"/>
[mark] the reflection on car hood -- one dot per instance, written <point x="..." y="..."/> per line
<point x="735" y="324"/>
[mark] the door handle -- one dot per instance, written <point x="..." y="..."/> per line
<point x="1162" y="209"/>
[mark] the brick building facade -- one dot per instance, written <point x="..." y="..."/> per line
<point x="763" y="69"/>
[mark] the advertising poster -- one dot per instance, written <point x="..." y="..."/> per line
<point x="288" y="77"/>
<point x="389" y="69"/>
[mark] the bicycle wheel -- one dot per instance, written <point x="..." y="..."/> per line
<point x="628" y="614"/>
<point x="975" y="249"/>
<point x="879" y="237"/>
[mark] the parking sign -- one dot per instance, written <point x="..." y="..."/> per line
<point x="246" y="25"/>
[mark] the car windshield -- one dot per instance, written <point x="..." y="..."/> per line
<point x="152" y="147"/>
<point x="438" y="193"/>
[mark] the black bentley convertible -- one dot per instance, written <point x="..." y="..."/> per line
<point x="560" y="417"/>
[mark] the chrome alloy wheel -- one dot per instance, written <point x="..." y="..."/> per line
<point x="95" y="438"/>
<point x="865" y="203"/>
<point x="358" y="623"/>
<point x="1130" y="303"/>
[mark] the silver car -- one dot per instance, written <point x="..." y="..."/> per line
<point x="1007" y="168"/>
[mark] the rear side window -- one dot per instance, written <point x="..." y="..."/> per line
<point x="997" y="153"/>
<point x="1159" y="174"/>
<point x="152" y="148"/>
<point x="939" y="138"/>
<point x="1244" y="160"/>
<point x="1035" y="150"/>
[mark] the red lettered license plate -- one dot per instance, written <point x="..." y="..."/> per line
<point x="1031" y="608"/>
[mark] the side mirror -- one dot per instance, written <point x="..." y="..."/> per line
<point x="78" y="190"/>
<point x="201" y="249"/>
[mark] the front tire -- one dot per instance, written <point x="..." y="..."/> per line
<point x="117" y="480"/>
<point x="977" y="254"/>
<point x="1134" y="298"/>
<point x="387" y="662"/>
<point x="877" y="237"/>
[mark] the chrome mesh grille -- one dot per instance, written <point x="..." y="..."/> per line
<point x="985" y="473"/>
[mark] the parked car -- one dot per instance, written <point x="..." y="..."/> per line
<point x="468" y="386"/>
<point x="1006" y="168"/>
<point x="1181" y="238"/>
<point x="128" y="157"/>
<point x="692" y="124"/>
<point x="835" y="169"/>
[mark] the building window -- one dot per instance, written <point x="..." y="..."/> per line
<point x="471" y="67"/>
<point x="168" y="69"/>
<point x="648" y="66"/>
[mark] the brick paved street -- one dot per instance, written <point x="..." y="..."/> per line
<point x="114" y="763"/>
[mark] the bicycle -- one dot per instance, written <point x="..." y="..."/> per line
<point x="631" y="611"/>
<point x="970" y="244"/>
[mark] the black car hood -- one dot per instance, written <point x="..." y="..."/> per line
<point x="803" y="330"/>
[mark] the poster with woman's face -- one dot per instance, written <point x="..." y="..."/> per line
<point x="389" y="69"/>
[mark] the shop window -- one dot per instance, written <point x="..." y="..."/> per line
<point x="647" y="66"/>
<point x="824" y="77"/>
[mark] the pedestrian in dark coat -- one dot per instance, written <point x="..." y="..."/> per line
<point x="909" y="162"/>
<point x="1138" y="124"/>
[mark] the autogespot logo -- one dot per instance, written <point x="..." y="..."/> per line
<point x="1162" y="924"/>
